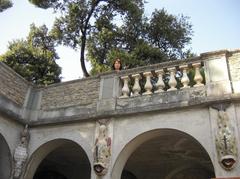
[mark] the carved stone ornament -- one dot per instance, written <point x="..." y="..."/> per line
<point x="225" y="141"/>
<point x="102" y="151"/>
<point x="21" y="154"/>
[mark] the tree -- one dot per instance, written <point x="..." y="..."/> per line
<point x="34" y="58"/>
<point x="110" y="29"/>
<point x="5" y="4"/>
<point x="140" y="41"/>
<point x="82" y="17"/>
<point x="169" y="33"/>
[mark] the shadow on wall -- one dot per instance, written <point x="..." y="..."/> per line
<point x="161" y="152"/>
<point x="5" y="159"/>
<point x="59" y="159"/>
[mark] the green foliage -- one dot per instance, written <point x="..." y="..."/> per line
<point x="47" y="4"/>
<point x="34" y="58"/>
<point x="104" y="28"/>
<point x="5" y="4"/>
<point x="81" y="18"/>
<point x="146" y="41"/>
<point x="169" y="33"/>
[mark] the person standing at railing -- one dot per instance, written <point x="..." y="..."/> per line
<point x="117" y="65"/>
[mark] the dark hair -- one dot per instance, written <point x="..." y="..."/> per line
<point x="117" y="59"/>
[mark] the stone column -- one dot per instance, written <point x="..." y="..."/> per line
<point x="125" y="88"/>
<point x="172" y="82"/>
<point x="185" y="80"/>
<point x="160" y="84"/>
<point x="136" y="87"/>
<point x="197" y="77"/>
<point x="148" y="84"/>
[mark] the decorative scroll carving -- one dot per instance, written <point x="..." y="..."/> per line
<point x="225" y="141"/>
<point x="102" y="151"/>
<point x="21" y="153"/>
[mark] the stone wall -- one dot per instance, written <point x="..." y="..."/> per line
<point x="234" y="66"/>
<point x="234" y="70"/>
<point x="12" y="85"/>
<point x="79" y="92"/>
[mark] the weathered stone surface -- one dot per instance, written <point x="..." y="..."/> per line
<point x="171" y="133"/>
<point x="80" y="92"/>
<point x="12" y="85"/>
<point x="234" y="66"/>
<point x="234" y="70"/>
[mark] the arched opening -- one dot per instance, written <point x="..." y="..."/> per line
<point x="5" y="159"/>
<point x="164" y="154"/>
<point x="60" y="159"/>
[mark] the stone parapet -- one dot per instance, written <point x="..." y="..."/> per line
<point x="168" y="101"/>
<point x="12" y="85"/>
<point x="234" y="70"/>
<point x="182" y="83"/>
<point x="82" y="92"/>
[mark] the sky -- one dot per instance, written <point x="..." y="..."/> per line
<point x="216" y="26"/>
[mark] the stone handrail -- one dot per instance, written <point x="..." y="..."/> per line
<point x="199" y="80"/>
<point x="166" y="80"/>
<point x="183" y="74"/>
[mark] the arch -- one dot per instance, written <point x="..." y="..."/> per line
<point x="58" y="157"/>
<point x="173" y="137"/>
<point x="5" y="159"/>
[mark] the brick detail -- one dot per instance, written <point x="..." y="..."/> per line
<point x="12" y="85"/>
<point x="83" y="92"/>
<point x="234" y="66"/>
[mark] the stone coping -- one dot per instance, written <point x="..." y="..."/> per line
<point x="117" y="106"/>
<point x="15" y="73"/>
<point x="121" y="107"/>
<point x="138" y="69"/>
<point x="153" y="67"/>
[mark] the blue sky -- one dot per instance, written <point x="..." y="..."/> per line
<point x="216" y="26"/>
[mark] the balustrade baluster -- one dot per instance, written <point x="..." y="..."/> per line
<point x="160" y="84"/>
<point x="125" y="89"/>
<point x="185" y="80"/>
<point x="136" y="87"/>
<point x="198" y="77"/>
<point x="148" y="84"/>
<point x="172" y="82"/>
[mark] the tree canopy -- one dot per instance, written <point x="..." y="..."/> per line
<point x="104" y="30"/>
<point x="5" y="4"/>
<point x="34" y="58"/>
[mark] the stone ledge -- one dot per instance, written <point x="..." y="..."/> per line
<point x="76" y="114"/>
<point x="11" y="109"/>
<point x="174" y="100"/>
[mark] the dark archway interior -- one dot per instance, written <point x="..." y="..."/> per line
<point x="5" y="159"/>
<point x="68" y="161"/>
<point x="127" y="175"/>
<point x="171" y="155"/>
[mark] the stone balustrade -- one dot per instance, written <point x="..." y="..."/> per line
<point x="163" y="79"/>
<point x="218" y="71"/>
<point x="198" y="80"/>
